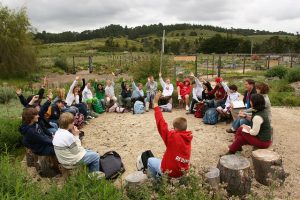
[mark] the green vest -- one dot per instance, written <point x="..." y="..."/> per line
<point x="265" y="128"/>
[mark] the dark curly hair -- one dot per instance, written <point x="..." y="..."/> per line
<point x="233" y="87"/>
<point x="263" y="87"/>
<point x="258" y="102"/>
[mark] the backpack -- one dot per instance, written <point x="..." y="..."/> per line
<point x="142" y="160"/>
<point x="120" y="109"/>
<point x="79" y="120"/>
<point x="139" y="107"/>
<point x="201" y="108"/>
<point x="211" y="116"/>
<point x="111" y="165"/>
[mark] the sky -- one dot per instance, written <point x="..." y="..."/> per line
<point x="79" y="15"/>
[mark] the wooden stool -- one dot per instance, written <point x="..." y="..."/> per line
<point x="235" y="171"/>
<point x="268" y="167"/>
<point x="213" y="177"/>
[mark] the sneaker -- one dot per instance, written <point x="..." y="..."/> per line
<point x="98" y="175"/>
<point x="187" y="108"/>
<point x="90" y="117"/>
<point x="229" y="130"/>
<point x="179" y="98"/>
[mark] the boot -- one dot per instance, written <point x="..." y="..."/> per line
<point x="147" y="106"/>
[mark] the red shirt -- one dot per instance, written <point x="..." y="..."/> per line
<point x="176" y="158"/>
<point x="219" y="93"/>
<point x="184" y="89"/>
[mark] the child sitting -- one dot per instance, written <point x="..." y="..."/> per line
<point x="151" y="86"/>
<point x="184" y="89"/>
<point x="198" y="92"/>
<point x="232" y="95"/>
<point x="125" y="97"/>
<point x="176" y="159"/>
<point x="110" y="91"/>
<point x="100" y="92"/>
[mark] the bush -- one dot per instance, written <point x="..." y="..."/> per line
<point x="143" y="69"/>
<point x="61" y="63"/>
<point x="6" y="94"/>
<point x="278" y="71"/>
<point x="10" y="136"/>
<point x="284" y="99"/>
<point x="15" y="184"/>
<point x="293" y="75"/>
<point x="281" y="86"/>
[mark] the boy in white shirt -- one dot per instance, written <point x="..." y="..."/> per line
<point x="232" y="95"/>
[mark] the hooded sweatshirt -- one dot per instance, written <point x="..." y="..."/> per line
<point x="176" y="158"/>
<point x="34" y="138"/>
<point x="184" y="89"/>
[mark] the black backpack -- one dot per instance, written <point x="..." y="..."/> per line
<point x="111" y="165"/>
<point x="142" y="160"/>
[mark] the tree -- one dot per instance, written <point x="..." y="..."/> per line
<point x="17" y="55"/>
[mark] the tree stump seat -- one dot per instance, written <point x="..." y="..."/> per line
<point x="135" y="179"/>
<point x="268" y="167"/>
<point x="213" y="177"/>
<point x="236" y="173"/>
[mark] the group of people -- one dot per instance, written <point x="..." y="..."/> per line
<point x="50" y="128"/>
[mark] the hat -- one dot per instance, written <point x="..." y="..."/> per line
<point x="218" y="80"/>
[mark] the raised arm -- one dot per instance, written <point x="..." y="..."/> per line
<point x="83" y="84"/>
<point x="73" y="85"/>
<point x="134" y="87"/>
<point x="21" y="97"/>
<point x="226" y="88"/>
<point x="161" y="124"/>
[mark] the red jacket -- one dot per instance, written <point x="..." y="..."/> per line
<point x="184" y="89"/>
<point x="219" y="92"/>
<point x="176" y="158"/>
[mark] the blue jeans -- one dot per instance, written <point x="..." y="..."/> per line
<point x="154" y="167"/>
<point x="240" y="121"/>
<point x="150" y="97"/>
<point x="54" y="128"/>
<point x="91" y="159"/>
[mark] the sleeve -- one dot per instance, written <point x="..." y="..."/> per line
<point x="123" y="85"/>
<point x="44" y="108"/>
<point x="213" y="91"/>
<point x="74" y="147"/>
<point x="40" y="138"/>
<point x="171" y="89"/>
<point x="226" y="88"/>
<point x="95" y="86"/>
<point x="83" y="85"/>
<point x="155" y="86"/>
<point x="41" y="93"/>
<point x="256" y="123"/>
<point x="23" y="100"/>
<point x="177" y="83"/>
<point x="72" y="87"/>
<point x="163" y="84"/>
<point x="113" y="83"/>
<point x="161" y="124"/>
<point x="195" y="95"/>
<point x="198" y="83"/>
<point x="134" y="86"/>
<point x="148" y="86"/>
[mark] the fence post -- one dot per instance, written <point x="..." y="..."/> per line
<point x="268" y="63"/>
<point x="219" y="66"/>
<point x="196" y="74"/>
<point x="213" y="66"/>
<point x="244" y="64"/>
<point x="207" y="67"/>
<point x="74" y="64"/>
<point x="291" y="66"/>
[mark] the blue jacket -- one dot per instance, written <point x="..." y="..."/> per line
<point x="35" y="139"/>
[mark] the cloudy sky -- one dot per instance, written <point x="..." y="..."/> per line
<point x="79" y="15"/>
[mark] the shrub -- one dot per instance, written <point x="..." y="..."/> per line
<point x="145" y="68"/>
<point x="61" y="63"/>
<point x="10" y="136"/>
<point x="293" y="75"/>
<point x="15" y="184"/>
<point x="281" y="86"/>
<point x="278" y="71"/>
<point x="6" y="94"/>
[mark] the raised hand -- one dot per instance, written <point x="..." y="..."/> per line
<point x="77" y="78"/>
<point x="156" y="97"/>
<point x="192" y="74"/>
<point x="50" y="95"/>
<point x="159" y="74"/>
<point x="148" y="79"/>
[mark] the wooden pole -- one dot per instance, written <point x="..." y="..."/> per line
<point x="244" y="65"/>
<point x="268" y="63"/>
<point x="291" y="66"/>
<point x="207" y="67"/>
<point x="196" y="73"/>
<point x="162" y="50"/>
<point x="219" y="66"/>
<point x="213" y="66"/>
<point x="74" y="69"/>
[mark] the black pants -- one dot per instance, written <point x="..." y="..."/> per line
<point x="82" y="109"/>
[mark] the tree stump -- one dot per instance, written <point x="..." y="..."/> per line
<point x="213" y="177"/>
<point x="268" y="167"/>
<point x="135" y="179"/>
<point x="236" y="173"/>
<point x="48" y="166"/>
<point x="31" y="158"/>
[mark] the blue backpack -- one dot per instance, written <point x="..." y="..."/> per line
<point x="138" y="107"/>
<point x="211" y="116"/>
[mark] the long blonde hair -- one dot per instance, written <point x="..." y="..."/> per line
<point x="61" y="93"/>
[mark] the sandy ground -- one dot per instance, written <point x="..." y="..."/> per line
<point x="130" y="135"/>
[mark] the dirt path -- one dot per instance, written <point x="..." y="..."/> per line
<point x="130" y="134"/>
